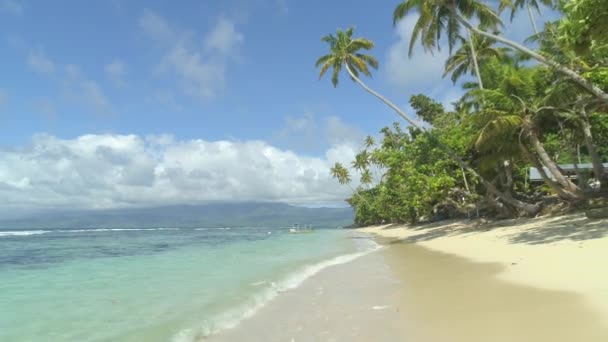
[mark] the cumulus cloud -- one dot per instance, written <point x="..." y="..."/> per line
<point x="38" y="61"/>
<point x="107" y="171"/>
<point x="199" y="69"/>
<point x="115" y="72"/>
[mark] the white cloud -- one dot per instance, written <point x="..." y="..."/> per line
<point x="102" y="171"/>
<point x="224" y="38"/>
<point x="200" y="70"/>
<point x="81" y="89"/>
<point x="38" y="61"/>
<point x="115" y="72"/>
<point x="11" y="6"/>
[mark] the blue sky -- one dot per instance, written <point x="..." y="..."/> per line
<point x="267" y="72"/>
<point x="163" y="74"/>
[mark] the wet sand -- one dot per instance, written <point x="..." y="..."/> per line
<point x="406" y="292"/>
<point x="356" y="301"/>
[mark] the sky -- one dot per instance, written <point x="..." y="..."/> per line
<point x="119" y="103"/>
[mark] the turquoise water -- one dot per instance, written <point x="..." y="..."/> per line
<point x="152" y="284"/>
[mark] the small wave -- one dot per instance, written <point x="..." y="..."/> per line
<point x="37" y="232"/>
<point x="214" y="228"/>
<point x="111" y="230"/>
<point x="232" y="318"/>
<point x="24" y="232"/>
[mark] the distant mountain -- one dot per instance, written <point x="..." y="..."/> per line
<point x="184" y="216"/>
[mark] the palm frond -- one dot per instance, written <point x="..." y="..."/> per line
<point x="500" y="126"/>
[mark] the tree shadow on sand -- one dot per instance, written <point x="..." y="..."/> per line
<point x="576" y="228"/>
<point x="536" y="231"/>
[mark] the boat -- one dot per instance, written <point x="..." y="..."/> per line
<point x="301" y="229"/>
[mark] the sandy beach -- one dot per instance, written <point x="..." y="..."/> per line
<point x="565" y="253"/>
<point x="518" y="280"/>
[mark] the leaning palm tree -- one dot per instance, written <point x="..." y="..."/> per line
<point x="463" y="61"/>
<point x="343" y="176"/>
<point x="437" y="16"/>
<point x="344" y="51"/>
<point x="516" y="5"/>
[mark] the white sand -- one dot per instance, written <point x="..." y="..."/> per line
<point x="567" y="253"/>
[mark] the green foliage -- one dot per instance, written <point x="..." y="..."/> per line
<point x="426" y="108"/>
<point x="439" y="16"/>
<point x="585" y="24"/>
<point x="516" y="5"/>
<point x="524" y="115"/>
<point x="344" y="50"/>
<point x="417" y="175"/>
<point x="461" y="62"/>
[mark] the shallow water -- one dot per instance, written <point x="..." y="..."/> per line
<point x="152" y="284"/>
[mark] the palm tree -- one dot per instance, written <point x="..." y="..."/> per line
<point x="439" y="15"/>
<point x="343" y="176"/>
<point x="513" y="112"/>
<point x="340" y="173"/>
<point x="529" y="4"/>
<point x="463" y="61"/>
<point x="344" y="52"/>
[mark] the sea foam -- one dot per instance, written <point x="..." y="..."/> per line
<point x="232" y="318"/>
<point x="23" y="232"/>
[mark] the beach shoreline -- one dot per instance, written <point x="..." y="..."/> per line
<point x="563" y="253"/>
<point x="517" y="280"/>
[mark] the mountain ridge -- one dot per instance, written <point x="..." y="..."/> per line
<point x="239" y="214"/>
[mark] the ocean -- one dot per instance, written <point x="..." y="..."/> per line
<point x="162" y="284"/>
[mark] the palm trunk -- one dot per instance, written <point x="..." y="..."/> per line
<point x="552" y="166"/>
<point x="575" y="77"/>
<point x="541" y="170"/>
<point x="531" y="15"/>
<point x="464" y="178"/>
<point x="508" y="167"/>
<point x="596" y="160"/>
<point x="526" y="207"/>
<point x="474" y="57"/>
<point x="580" y="176"/>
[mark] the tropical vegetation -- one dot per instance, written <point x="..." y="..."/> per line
<point x="537" y="104"/>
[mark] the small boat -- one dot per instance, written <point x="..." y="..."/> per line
<point x="297" y="229"/>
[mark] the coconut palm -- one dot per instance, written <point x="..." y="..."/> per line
<point x="463" y="62"/>
<point x="516" y="5"/>
<point x="340" y="173"/>
<point x="344" y="52"/>
<point x="431" y="23"/>
<point x="514" y="111"/>
<point x="449" y="15"/>
<point x="366" y="177"/>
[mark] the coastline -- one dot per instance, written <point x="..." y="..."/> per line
<point x="518" y="280"/>
<point x="565" y="253"/>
